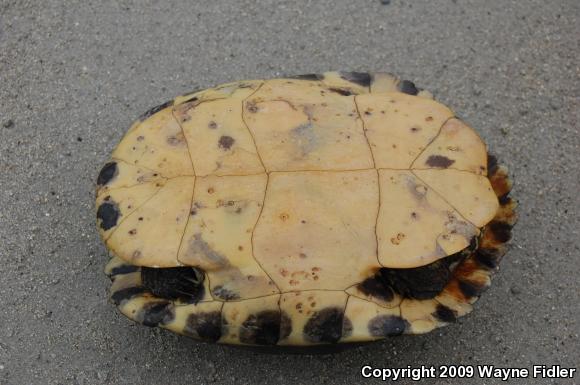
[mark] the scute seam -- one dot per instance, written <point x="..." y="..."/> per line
<point x="254" y="230"/>
<point x="133" y="212"/>
<point x="248" y="127"/>
<point x="446" y="201"/>
<point x="431" y="141"/>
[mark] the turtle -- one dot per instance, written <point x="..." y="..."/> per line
<point x="319" y="210"/>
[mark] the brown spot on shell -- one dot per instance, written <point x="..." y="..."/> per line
<point x="439" y="161"/>
<point x="225" y="142"/>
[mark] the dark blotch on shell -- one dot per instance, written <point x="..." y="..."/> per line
<point x="108" y="213"/>
<point x="224" y="294"/>
<point x="108" y="172"/>
<point x="421" y="282"/>
<point x="341" y="91"/>
<point x="407" y="87"/>
<point x="285" y="326"/>
<point x="387" y="325"/>
<point x="502" y="232"/>
<point x="376" y="287"/>
<point x="183" y="283"/>
<point x="488" y="257"/>
<point x="360" y="78"/>
<point x="155" y="109"/>
<point x="470" y="289"/>
<point x="225" y="142"/>
<point x="307" y="77"/>
<point x="261" y="329"/>
<point x="491" y="164"/>
<point x="156" y="313"/>
<point x="346" y="327"/>
<point x="126" y="294"/>
<point x="439" y="161"/>
<point x="123" y="269"/>
<point x="204" y="326"/>
<point x="325" y="326"/>
<point x="445" y="314"/>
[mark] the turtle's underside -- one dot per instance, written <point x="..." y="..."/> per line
<point x="320" y="209"/>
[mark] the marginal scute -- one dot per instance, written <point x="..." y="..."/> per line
<point x="251" y="321"/>
<point x="420" y="315"/>
<point x="202" y="321"/>
<point x="310" y="310"/>
<point x="325" y="326"/>
<point x="155" y="313"/>
<point x="400" y="126"/>
<point x="206" y="326"/>
<point x="415" y="225"/>
<point x="308" y="239"/>
<point x="262" y="328"/>
<point x="457" y="146"/>
<point x="361" y="313"/>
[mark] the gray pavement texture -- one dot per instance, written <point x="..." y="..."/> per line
<point x="74" y="74"/>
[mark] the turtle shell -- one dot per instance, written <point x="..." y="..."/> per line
<point x="317" y="209"/>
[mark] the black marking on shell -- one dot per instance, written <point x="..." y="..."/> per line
<point x="123" y="269"/>
<point x="325" y="326"/>
<point x="224" y="294"/>
<point x="445" y="314"/>
<point x="488" y="257"/>
<point x="387" y="326"/>
<point x="360" y="78"/>
<point x="108" y="172"/>
<point x="225" y="142"/>
<point x="341" y="91"/>
<point x="346" y="327"/>
<point x="155" y="313"/>
<point x="126" y="294"/>
<point x="491" y="164"/>
<point x="262" y="328"/>
<point x="470" y="289"/>
<point x="205" y="326"/>
<point x="407" y="87"/>
<point x="505" y="199"/>
<point x="155" y="110"/>
<point x="422" y="282"/>
<point x="502" y="232"/>
<point x="439" y="161"/>
<point x="108" y="213"/>
<point x="183" y="283"/>
<point x="376" y="287"/>
<point x="285" y="325"/>
<point x="313" y="77"/>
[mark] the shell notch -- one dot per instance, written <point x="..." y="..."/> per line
<point x="341" y="207"/>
